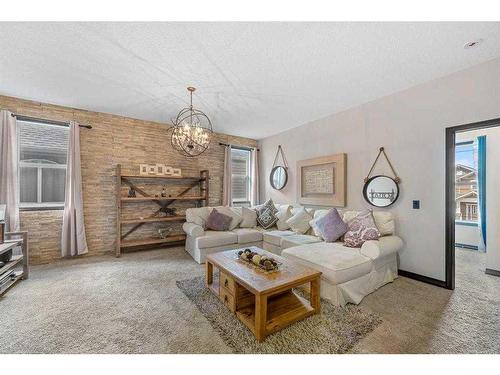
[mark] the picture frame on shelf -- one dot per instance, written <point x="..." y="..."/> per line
<point x="160" y="169"/>
<point x="143" y="169"/>
<point x="169" y="171"/>
<point x="152" y="169"/>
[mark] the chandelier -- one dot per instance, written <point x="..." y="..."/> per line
<point x="191" y="131"/>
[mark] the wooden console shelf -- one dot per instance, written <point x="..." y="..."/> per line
<point x="162" y="199"/>
<point x="154" y="219"/>
<point x="145" y="177"/>
<point x="199" y="196"/>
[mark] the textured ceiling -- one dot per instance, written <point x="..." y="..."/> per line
<point x="253" y="79"/>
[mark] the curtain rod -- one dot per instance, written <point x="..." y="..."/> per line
<point x="240" y="147"/>
<point x="45" y="121"/>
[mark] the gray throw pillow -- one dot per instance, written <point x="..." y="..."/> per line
<point x="266" y="214"/>
<point x="331" y="226"/>
<point x="267" y="218"/>
<point x="268" y="205"/>
<point x="218" y="221"/>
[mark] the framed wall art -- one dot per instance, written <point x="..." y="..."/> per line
<point x="322" y="181"/>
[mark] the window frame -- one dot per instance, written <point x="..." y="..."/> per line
<point x="247" y="177"/>
<point x="39" y="205"/>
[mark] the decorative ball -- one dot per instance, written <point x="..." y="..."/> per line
<point x="268" y="265"/>
<point x="256" y="259"/>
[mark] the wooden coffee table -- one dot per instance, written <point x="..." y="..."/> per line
<point x="264" y="302"/>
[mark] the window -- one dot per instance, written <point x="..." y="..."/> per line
<point x="240" y="164"/>
<point x="466" y="181"/>
<point x="42" y="164"/>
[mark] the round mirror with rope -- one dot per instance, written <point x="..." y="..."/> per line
<point x="278" y="177"/>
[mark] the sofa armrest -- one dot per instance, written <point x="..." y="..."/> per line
<point x="383" y="246"/>
<point x="193" y="230"/>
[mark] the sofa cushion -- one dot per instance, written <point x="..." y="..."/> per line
<point x="214" y="238"/>
<point x="249" y="218"/>
<point x="298" y="239"/>
<point x="284" y="213"/>
<point x="337" y="263"/>
<point x="246" y="235"/>
<point x="274" y="236"/>
<point x="299" y="222"/>
<point x="198" y="216"/>
<point x="384" y="220"/>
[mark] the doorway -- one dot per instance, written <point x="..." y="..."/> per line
<point x="467" y="209"/>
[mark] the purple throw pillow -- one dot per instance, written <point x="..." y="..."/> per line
<point x="361" y="229"/>
<point x="331" y="226"/>
<point x="218" y="221"/>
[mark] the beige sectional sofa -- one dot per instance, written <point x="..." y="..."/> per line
<point x="348" y="274"/>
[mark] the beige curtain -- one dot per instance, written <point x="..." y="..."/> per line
<point x="254" y="165"/>
<point x="73" y="241"/>
<point x="9" y="173"/>
<point x="227" y="199"/>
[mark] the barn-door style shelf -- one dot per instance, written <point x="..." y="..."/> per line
<point x="196" y="190"/>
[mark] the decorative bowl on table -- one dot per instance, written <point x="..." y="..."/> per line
<point x="258" y="261"/>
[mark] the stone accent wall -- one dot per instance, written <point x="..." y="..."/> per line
<point x="113" y="140"/>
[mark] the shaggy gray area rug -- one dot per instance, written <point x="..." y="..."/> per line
<point x="335" y="330"/>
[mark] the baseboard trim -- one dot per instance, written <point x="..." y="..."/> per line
<point x="489" y="271"/>
<point x="424" y="279"/>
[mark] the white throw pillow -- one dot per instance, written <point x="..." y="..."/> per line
<point x="299" y="222"/>
<point x="249" y="217"/>
<point x="236" y="218"/>
<point x="284" y="213"/>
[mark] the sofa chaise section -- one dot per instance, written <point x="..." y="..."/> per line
<point x="350" y="274"/>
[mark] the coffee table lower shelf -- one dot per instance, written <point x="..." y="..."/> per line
<point x="282" y="310"/>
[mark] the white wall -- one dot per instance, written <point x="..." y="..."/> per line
<point x="492" y="191"/>
<point x="411" y="126"/>
<point x="467" y="235"/>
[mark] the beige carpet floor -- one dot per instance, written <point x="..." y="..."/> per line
<point x="132" y="305"/>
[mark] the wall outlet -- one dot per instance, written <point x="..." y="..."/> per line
<point x="416" y="205"/>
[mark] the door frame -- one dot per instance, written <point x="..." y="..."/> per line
<point x="450" y="193"/>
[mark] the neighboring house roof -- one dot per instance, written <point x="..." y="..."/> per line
<point x="470" y="194"/>
<point x="469" y="174"/>
<point x="43" y="137"/>
<point x="466" y="168"/>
